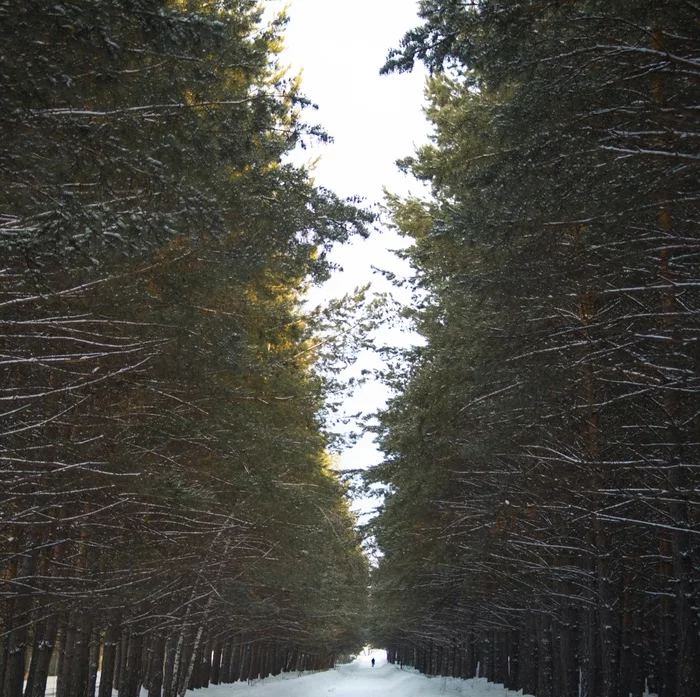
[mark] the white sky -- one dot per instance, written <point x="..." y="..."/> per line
<point x="374" y="120"/>
<point x="340" y="47"/>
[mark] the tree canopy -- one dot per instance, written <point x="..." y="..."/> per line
<point x="541" y="452"/>
<point x="171" y="513"/>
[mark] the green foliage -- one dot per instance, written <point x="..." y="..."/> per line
<point x="165" y="454"/>
<point x="524" y="482"/>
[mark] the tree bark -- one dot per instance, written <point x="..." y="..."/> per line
<point x="44" y="642"/>
<point x="109" y="656"/>
<point x="65" y="674"/>
<point x="216" y="663"/>
<point x="544" y="654"/>
<point x="155" y="681"/>
<point x="132" y="678"/>
<point x="17" y="640"/>
<point x="94" y="661"/>
<point x="226" y="659"/>
<point x="169" y="667"/>
<point x="120" y="669"/>
<point x="81" y="655"/>
<point x="514" y="663"/>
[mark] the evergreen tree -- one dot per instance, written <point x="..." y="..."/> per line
<point x="545" y="427"/>
<point x="165" y="466"/>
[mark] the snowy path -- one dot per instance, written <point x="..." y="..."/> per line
<point x="359" y="679"/>
<point x="356" y="679"/>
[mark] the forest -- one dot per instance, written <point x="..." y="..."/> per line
<point x="542" y="518"/>
<point x="172" y="512"/>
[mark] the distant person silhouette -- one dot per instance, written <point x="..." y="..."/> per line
<point x="372" y="663"/>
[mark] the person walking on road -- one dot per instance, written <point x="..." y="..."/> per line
<point x="373" y="663"/>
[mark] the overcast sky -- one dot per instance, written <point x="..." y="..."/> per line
<point x="373" y="119"/>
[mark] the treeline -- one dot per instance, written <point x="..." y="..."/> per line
<point x="542" y="518"/>
<point x="170" y="514"/>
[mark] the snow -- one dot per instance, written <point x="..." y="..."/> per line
<point x="356" y="679"/>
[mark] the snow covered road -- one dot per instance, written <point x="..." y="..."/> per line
<point x="359" y="679"/>
<point x="356" y="679"/>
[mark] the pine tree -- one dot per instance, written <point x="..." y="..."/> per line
<point x="546" y="408"/>
<point x="162" y="438"/>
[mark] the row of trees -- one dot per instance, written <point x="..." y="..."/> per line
<point x="170" y="513"/>
<point x="542" y="517"/>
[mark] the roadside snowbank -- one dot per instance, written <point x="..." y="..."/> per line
<point x="359" y="679"/>
<point x="356" y="679"/>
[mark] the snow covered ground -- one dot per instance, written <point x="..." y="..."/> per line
<point x="356" y="679"/>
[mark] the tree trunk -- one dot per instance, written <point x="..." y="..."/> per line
<point x="667" y="621"/>
<point x="469" y="663"/>
<point x="206" y="662"/>
<point x="226" y="658"/>
<point x="688" y="650"/>
<point x="514" y="660"/>
<point x="120" y="671"/>
<point x="169" y="667"/>
<point x="94" y="661"/>
<point x="236" y="662"/>
<point x="65" y="675"/>
<point x="183" y="668"/>
<point x="81" y="655"/>
<point x="568" y="671"/>
<point x="608" y="619"/>
<point x="17" y="640"/>
<point x="589" y="652"/>
<point x="178" y="657"/>
<point x="627" y="634"/>
<point x="499" y="675"/>
<point x="544" y="654"/>
<point x="155" y="681"/>
<point x="244" y="653"/>
<point x="44" y="642"/>
<point x="488" y="661"/>
<point x="194" y="655"/>
<point x="132" y="678"/>
<point x="109" y="656"/>
<point x="530" y="659"/>
<point x="216" y="663"/>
